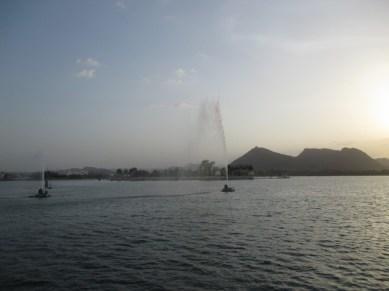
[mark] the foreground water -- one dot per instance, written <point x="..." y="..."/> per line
<point x="328" y="232"/>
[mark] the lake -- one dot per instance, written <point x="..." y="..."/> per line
<point x="297" y="233"/>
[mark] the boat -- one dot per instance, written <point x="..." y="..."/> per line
<point x="227" y="189"/>
<point x="42" y="192"/>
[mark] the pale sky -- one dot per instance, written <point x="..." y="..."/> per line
<point x="119" y="83"/>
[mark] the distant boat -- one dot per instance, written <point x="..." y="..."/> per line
<point x="227" y="188"/>
<point x="42" y="192"/>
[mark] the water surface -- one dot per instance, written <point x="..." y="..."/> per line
<point x="298" y="233"/>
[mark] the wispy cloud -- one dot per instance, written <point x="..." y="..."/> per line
<point x="180" y="73"/>
<point x="86" y="74"/>
<point x="89" y="68"/>
<point x="184" y="105"/>
<point x="180" y="76"/>
<point x="88" y="62"/>
<point x="120" y="4"/>
<point x="175" y="79"/>
<point x="203" y="56"/>
<point x="236" y="26"/>
<point x="305" y="45"/>
<point x="301" y="45"/>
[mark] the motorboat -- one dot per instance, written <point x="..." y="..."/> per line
<point x="227" y="188"/>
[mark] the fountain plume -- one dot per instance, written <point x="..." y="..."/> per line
<point x="210" y="135"/>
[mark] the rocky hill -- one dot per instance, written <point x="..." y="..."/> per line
<point x="311" y="160"/>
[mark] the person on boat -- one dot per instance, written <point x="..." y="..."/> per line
<point x="226" y="188"/>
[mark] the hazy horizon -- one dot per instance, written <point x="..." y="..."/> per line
<point x="120" y="83"/>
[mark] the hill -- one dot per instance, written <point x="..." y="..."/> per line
<point x="384" y="162"/>
<point x="310" y="161"/>
<point x="264" y="159"/>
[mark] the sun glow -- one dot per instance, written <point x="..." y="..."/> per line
<point x="376" y="87"/>
<point x="381" y="99"/>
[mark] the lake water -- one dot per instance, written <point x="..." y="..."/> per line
<point x="298" y="233"/>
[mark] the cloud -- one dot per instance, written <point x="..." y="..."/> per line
<point x="259" y="40"/>
<point x="175" y="78"/>
<point x="304" y="45"/>
<point x="181" y="76"/>
<point x="86" y="74"/>
<point x="180" y="73"/>
<point x="88" y="62"/>
<point x="203" y="56"/>
<point x="237" y="29"/>
<point x="88" y="69"/>
<point x="184" y="105"/>
<point x="120" y="4"/>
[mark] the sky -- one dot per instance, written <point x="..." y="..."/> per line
<point x="116" y="83"/>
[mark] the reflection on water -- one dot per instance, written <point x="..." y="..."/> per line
<point x="327" y="232"/>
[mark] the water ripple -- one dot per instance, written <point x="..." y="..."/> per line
<point x="300" y="233"/>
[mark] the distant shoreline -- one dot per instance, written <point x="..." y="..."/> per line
<point x="208" y="178"/>
<point x="211" y="178"/>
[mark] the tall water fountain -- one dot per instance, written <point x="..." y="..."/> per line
<point x="210" y="132"/>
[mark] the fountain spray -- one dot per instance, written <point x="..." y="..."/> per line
<point x="220" y="127"/>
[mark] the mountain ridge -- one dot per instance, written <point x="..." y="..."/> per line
<point x="311" y="160"/>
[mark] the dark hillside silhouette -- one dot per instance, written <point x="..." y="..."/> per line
<point x="311" y="161"/>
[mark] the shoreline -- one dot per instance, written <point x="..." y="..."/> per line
<point x="233" y="178"/>
<point x="211" y="178"/>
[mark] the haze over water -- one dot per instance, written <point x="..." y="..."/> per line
<point x="303" y="233"/>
